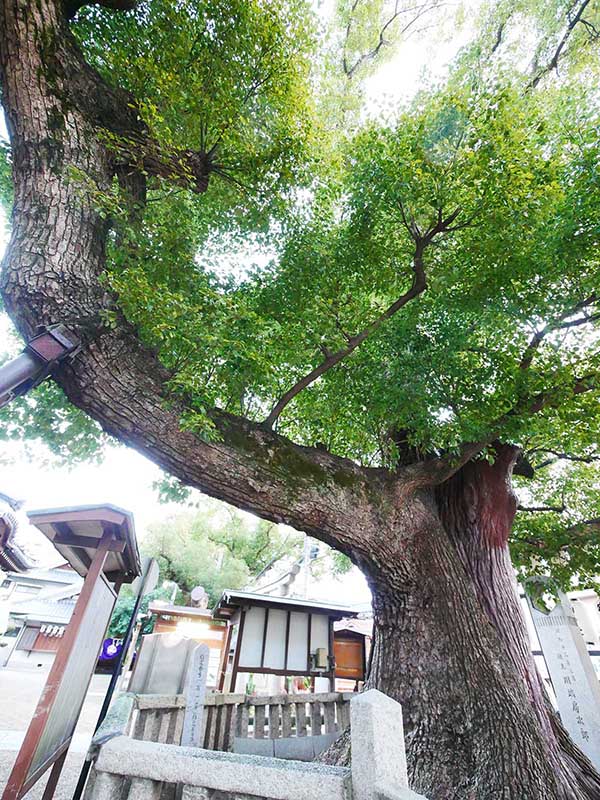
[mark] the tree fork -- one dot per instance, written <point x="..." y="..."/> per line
<point x="51" y="272"/>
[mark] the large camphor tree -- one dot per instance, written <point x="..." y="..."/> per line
<point x="420" y="312"/>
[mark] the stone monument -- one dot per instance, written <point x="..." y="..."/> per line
<point x="195" y="692"/>
<point x="572" y="673"/>
<point x="162" y="664"/>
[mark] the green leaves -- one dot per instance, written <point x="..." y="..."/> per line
<point x="45" y="416"/>
<point x="124" y="608"/>
<point x="562" y="538"/>
<point x="217" y="548"/>
<point x="228" y="78"/>
<point x="517" y="173"/>
<point x="334" y="219"/>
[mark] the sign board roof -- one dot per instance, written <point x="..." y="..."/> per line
<point x="76" y="533"/>
<point x="232" y="600"/>
<point x="168" y="609"/>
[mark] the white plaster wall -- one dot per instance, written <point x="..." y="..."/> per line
<point x="319" y="633"/>
<point x="252" y="636"/>
<point x="298" y="646"/>
<point x="23" y="658"/>
<point x="275" y="643"/>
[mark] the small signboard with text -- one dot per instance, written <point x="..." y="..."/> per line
<point x="103" y="540"/>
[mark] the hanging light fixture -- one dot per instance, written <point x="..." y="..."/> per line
<point x="37" y="360"/>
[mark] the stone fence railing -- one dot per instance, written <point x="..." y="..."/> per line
<point x="231" y="717"/>
<point x="130" y="769"/>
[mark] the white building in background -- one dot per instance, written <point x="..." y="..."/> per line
<point x="36" y="602"/>
<point x="38" y="605"/>
<point x="587" y="609"/>
<point x="14" y="554"/>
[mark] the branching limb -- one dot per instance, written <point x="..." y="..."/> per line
<point x="418" y="11"/>
<point x="138" y="153"/>
<point x="437" y="470"/>
<point x="370" y="55"/>
<point x="422" y="240"/>
<point x="558" y="456"/>
<point x="499" y="37"/>
<point x="114" y="112"/>
<point x="574" y="19"/>
<point x="546" y="399"/>
<point x="562" y="323"/>
<point x="186" y="168"/>
<point x="418" y="286"/>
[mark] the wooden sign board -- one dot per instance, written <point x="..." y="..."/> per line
<point x="51" y="730"/>
<point x="349" y="657"/>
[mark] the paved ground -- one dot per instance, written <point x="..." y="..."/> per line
<point x="19" y="692"/>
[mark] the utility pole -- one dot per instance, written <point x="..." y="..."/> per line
<point x="306" y="566"/>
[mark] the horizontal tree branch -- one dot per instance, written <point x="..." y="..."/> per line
<point x="558" y="456"/>
<point x="546" y="399"/>
<point x="535" y="509"/>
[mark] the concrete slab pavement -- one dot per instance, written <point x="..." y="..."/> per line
<point x="20" y="690"/>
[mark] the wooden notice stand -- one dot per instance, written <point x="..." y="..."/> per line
<point x="99" y="542"/>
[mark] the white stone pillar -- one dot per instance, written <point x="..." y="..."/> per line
<point x="572" y="673"/>
<point x="378" y="755"/>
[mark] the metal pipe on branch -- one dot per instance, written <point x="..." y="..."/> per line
<point x="17" y="371"/>
<point x="36" y="362"/>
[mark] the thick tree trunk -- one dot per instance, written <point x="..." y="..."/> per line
<point x="448" y="644"/>
<point x="451" y="645"/>
<point x="450" y="637"/>
<point x="477" y="507"/>
<point x="435" y="650"/>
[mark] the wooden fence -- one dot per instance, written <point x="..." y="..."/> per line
<point x="135" y="770"/>
<point x="158" y="718"/>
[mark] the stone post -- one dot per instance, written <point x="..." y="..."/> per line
<point x="378" y="756"/>
<point x="195" y="692"/>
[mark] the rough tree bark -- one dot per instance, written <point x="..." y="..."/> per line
<point x="450" y="643"/>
